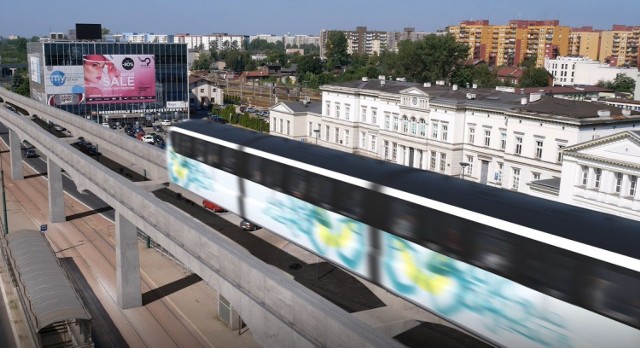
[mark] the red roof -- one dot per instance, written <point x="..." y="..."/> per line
<point x="510" y="72"/>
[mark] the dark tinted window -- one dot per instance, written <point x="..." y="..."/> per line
<point x="272" y="175"/>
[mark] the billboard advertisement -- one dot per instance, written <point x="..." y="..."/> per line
<point x="34" y="68"/>
<point x="63" y="84"/>
<point x="119" y="78"/>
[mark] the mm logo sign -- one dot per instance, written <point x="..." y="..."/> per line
<point x="128" y="63"/>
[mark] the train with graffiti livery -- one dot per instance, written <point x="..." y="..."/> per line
<point x="516" y="270"/>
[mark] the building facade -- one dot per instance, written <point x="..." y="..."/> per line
<point x="569" y="71"/>
<point x="219" y="41"/>
<point x="511" y="44"/>
<point x="584" y="42"/>
<point x="95" y="78"/>
<point x="359" y="41"/>
<point x="492" y="137"/>
<point x="619" y="46"/>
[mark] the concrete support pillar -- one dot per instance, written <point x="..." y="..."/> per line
<point x="128" y="291"/>
<point x="16" y="156"/>
<point x="56" y="193"/>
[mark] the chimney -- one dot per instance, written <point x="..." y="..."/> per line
<point x="455" y="87"/>
<point x="427" y="84"/>
<point x="604" y="113"/>
<point x="475" y="86"/>
<point x="382" y="82"/>
<point x="365" y="79"/>
<point x="626" y="112"/>
<point x="523" y="101"/>
<point x="381" y="77"/>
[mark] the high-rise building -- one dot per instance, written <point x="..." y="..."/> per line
<point x="584" y="42"/>
<point x="511" y="44"/>
<point x="360" y="41"/>
<point x="619" y="46"/>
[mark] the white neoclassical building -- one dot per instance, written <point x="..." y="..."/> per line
<point x="602" y="174"/>
<point x="491" y="136"/>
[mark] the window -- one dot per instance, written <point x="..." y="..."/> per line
<point x="346" y="137"/>
<point x="445" y="132"/>
<point x="394" y="151"/>
<point x="535" y="176"/>
<point x="633" y="182"/>
<point x="618" y="186"/>
<point x="405" y="124"/>
<point x="432" y="162"/>
<point x="310" y="128"/>
<point x="347" y="111"/>
<point x="326" y="133"/>
<point x="201" y="90"/>
<point x="434" y="130"/>
<point x="374" y="116"/>
<point x="387" y="120"/>
<point x="515" y="180"/>
<point x="363" y="140"/>
<point x="518" y="145"/>
<point x="336" y="136"/>
<point x="539" y="144"/>
<point x="503" y="140"/>
<point x="560" y="147"/>
<point x="337" y="110"/>
<point x="373" y="139"/>
<point x="288" y="125"/>
<point x="596" y="177"/>
<point x="385" y="151"/>
<point x="470" y="166"/>
<point x="585" y="176"/>
<point x="472" y="135"/>
<point x="363" y="114"/>
<point x="487" y="137"/>
<point x="414" y="126"/>
<point x="443" y="161"/>
<point x="423" y="128"/>
<point x="327" y="108"/>
<point x="498" y="175"/>
<point x="281" y="123"/>
<point x="395" y="123"/>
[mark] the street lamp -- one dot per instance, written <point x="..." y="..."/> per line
<point x="317" y="131"/>
<point x="464" y="166"/>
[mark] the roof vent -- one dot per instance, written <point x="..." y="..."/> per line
<point x="626" y="112"/>
<point x="523" y="101"/>
<point x="365" y="79"/>
<point x="535" y="97"/>
<point x="604" y="113"/>
<point x="455" y="87"/>
<point x="475" y="86"/>
<point x="381" y="77"/>
<point x="471" y="96"/>
<point x="440" y="83"/>
<point x="381" y="82"/>
<point x="401" y="79"/>
<point x="427" y="84"/>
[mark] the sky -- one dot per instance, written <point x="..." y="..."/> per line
<point x="280" y="17"/>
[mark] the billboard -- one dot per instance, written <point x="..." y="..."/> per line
<point x="119" y="78"/>
<point x="34" y="68"/>
<point x="64" y="84"/>
<point x="88" y="31"/>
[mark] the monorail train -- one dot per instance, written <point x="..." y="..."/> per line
<point x="515" y="269"/>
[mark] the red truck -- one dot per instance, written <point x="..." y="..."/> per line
<point x="212" y="206"/>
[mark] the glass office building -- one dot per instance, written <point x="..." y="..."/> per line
<point x="109" y="78"/>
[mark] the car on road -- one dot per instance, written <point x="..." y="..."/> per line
<point x="30" y="153"/>
<point x="212" y="206"/>
<point x="248" y="225"/>
<point x="165" y="122"/>
<point x="148" y="138"/>
<point x="217" y="119"/>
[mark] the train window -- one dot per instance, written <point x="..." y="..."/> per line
<point x="446" y="232"/>
<point x="404" y="219"/>
<point x="213" y="155"/>
<point x="199" y="149"/>
<point x="254" y="169"/>
<point x="296" y="183"/>
<point x="228" y="159"/>
<point x="320" y="190"/>
<point x="548" y="270"/>
<point x="492" y="250"/>
<point x="273" y="175"/>
<point x="182" y="145"/>
<point x="616" y="294"/>
<point x="349" y="200"/>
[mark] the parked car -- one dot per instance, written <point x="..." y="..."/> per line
<point x="148" y="138"/>
<point x="212" y="206"/>
<point x="165" y="123"/>
<point x="248" y="225"/>
<point x="251" y="109"/>
<point x="217" y="119"/>
<point x="105" y="124"/>
<point x="30" y="153"/>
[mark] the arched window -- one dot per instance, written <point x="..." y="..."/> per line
<point x="405" y="124"/>
<point x="423" y="128"/>
<point x="414" y="126"/>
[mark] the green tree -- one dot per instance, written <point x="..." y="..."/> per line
<point x="203" y="62"/>
<point x="20" y="83"/>
<point x="535" y="77"/>
<point x="336" y="49"/>
<point x="621" y="83"/>
<point x="309" y="63"/>
<point x="435" y="57"/>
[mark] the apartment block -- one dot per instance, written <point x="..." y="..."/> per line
<point x="511" y="44"/>
<point x="360" y="41"/>
<point x="584" y="42"/>
<point x="619" y="46"/>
